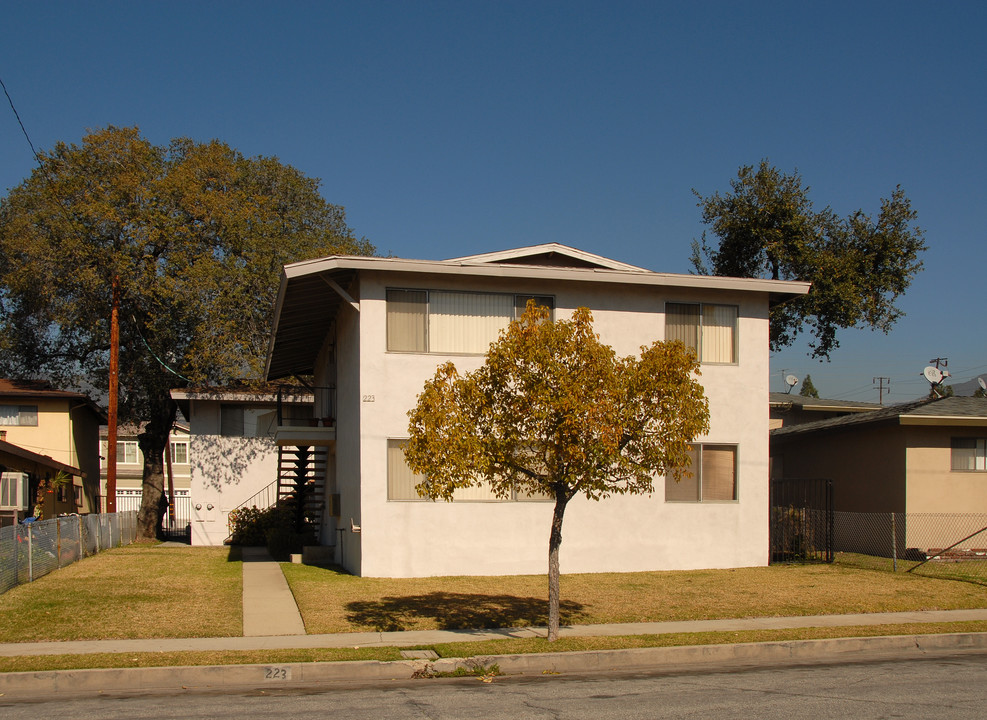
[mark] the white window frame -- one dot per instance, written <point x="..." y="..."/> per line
<point x="700" y="330"/>
<point x="173" y="445"/>
<point x="405" y="339"/>
<point x="13" y="491"/>
<point x="696" y="471"/>
<point x="125" y="446"/>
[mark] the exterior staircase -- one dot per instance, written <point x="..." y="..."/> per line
<point x="302" y="480"/>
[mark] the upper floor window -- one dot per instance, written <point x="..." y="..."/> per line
<point x="710" y="330"/>
<point x="179" y="452"/>
<point x="127" y="452"/>
<point x="714" y="476"/>
<point x="18" y="414"/>
<point x="438" y="321"/>
<point x="968" y="453"/>
<point x="245" y="421"/>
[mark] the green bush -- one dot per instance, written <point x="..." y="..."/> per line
<point x="249" y="526"/>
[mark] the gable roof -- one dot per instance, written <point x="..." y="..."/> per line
<point x="950" y="411"/>
<point x="547" y="255"/>
<point x="312" y="291"/>
<point x="40" y="390"/>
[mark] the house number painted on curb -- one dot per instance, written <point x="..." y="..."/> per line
<point x="275" y="672"/>
<point x="369" y="398"/>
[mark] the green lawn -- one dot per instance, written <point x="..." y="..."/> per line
<point x="138" y="591"/>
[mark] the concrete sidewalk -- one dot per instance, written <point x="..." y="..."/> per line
<point x="431" y="637"/>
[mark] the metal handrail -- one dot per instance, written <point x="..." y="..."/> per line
<point x="323" y="397"/>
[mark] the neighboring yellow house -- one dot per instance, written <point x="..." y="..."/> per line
<point x="59" y="424"/>
<point x="921" y="458"/>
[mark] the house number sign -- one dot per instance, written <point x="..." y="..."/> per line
<point x="277" y="672"/>
<point x="369" y="398"/>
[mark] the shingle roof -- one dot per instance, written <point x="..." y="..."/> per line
<point x="810" y="403"/>
<point x="960" y="409"/>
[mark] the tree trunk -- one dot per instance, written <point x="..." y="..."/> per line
<point x="554" y="543"/>
<point x="153" y="442"/>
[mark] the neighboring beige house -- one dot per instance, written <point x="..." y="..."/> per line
<point x="130" y="470"/>
<point x="234" y="460"/>
<point x="787" y="409"/>
<point x="57" y="424"/>
<point x="926" y="456"/>
<point x="371" y="331"/>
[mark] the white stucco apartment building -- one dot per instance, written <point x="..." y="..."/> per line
<point x="376" y="328"/>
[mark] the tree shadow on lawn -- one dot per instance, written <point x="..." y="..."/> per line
<point x="457" y="611"/>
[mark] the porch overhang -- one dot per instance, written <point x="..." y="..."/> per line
<point x="293" y="435"/>
<point x="16" y="458"/>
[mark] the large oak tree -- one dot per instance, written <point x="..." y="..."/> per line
<point x="195" y="233"/>
<point x="553" y="411"/>
<point x="766" y="226"/>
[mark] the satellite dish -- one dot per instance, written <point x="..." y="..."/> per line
<point x="933" y="375"/>
<point x="983" y="385"/>
<point x="792" y="381"/>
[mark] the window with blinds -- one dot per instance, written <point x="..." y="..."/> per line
<point x="713" y="477"/>
<point x="18" y="415"/>
<point x="968" y="454"/>
<point x="401" y="482"/>
<point x="710" y="330"/>
<point x="439" y="321"/>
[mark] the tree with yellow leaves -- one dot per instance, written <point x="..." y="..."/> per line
<point x="554" y="411"/>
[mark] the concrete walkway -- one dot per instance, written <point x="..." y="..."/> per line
<point x="268" y="606"/>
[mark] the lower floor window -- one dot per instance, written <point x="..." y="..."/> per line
<point x="401" y="482"/>
<point x="968" y="453"/>
<point x="13" y="491"/>
<point x="711" y="477"/>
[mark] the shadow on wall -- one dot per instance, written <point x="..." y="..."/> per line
<point x="456" y="611"/>
<point x="224" y="461"/>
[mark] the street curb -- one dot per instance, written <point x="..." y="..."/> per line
<point x="34" y="685"/>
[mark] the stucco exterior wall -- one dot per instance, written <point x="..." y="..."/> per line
<point x="933" y="487"/>
<point x="224" y="472"/>
<point x="407" y="539"/>
<point x="67" y="431"/>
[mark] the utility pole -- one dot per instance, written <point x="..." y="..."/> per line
<point x="114" y="390"/>
<point x="881" y="388"/>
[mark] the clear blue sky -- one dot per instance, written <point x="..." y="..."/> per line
<point x="448" y="128"/>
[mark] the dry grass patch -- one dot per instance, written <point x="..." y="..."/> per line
<point x="138" y="591"/>
<point x="465" y="649"/>
<point x="331" y="601"/>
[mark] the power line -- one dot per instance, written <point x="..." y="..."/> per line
<point x="19" y="122"/>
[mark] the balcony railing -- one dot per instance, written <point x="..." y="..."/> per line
<point x="306" y="416"/>
<point x="306" y="407"/>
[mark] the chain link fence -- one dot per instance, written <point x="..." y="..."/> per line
<point x="30" y="551"/>
<point x="945" y="545"/>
